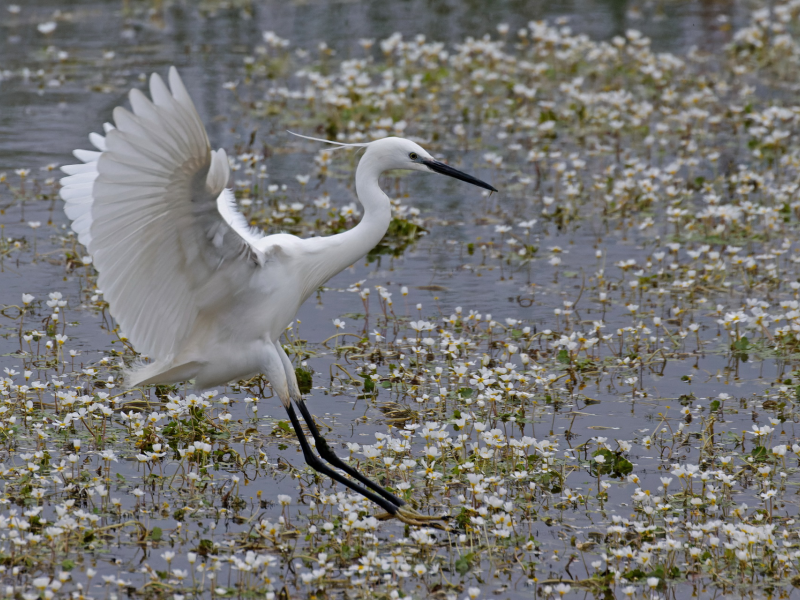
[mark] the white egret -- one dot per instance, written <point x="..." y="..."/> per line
<point x="194" y="287"/>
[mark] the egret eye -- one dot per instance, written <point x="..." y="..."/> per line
<point x="413" y="156"/>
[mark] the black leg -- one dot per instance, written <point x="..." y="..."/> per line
<point x="329" y="455"/>
<point x="315" y="463"/>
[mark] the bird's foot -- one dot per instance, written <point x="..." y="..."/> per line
<point x="409" y="516"/>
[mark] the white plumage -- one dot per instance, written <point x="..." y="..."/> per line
<point x="172" y="252"/>
<point x="192" y="285"/>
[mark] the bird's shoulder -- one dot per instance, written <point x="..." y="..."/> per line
<point x="279" y="246"/>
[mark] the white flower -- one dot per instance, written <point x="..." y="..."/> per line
<point x="46" y="28"/>
<point x="371" y="451"/>
<point x="562" y="589"/>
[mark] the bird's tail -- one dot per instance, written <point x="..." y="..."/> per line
<point x="138" y="372"/>
<point x="159" y="372"/>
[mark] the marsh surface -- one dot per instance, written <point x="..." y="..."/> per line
<point x="591" y="374"/>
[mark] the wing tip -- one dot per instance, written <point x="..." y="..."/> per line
<point x="179" y="91"/>
<point x="155" y="78"/>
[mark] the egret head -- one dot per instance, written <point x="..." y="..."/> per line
<point x="399" y="153"/>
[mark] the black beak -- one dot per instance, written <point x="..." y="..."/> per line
<point x="440" y="167"/>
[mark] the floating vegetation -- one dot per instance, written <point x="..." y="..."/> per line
<point x="620" y="425"/>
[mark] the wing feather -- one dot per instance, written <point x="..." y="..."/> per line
<point x="152" y="209"/>
<point x="98" y="141"/>
<point x="86" y="155"/>
<point x="79" y="179"/>
<point x="77" y="169"/>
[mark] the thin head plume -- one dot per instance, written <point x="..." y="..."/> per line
<point x="340" y="144"/>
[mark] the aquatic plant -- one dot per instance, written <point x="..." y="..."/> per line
<point x="621" y="424"/>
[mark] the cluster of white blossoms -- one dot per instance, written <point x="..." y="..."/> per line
<point x="601" y="401"/>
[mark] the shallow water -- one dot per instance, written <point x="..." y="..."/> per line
<point x="40" y="123"/>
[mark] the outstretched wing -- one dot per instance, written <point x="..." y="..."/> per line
<point x="152" y="208"/>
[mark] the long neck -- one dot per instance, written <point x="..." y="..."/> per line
<point x="342" y="250"/>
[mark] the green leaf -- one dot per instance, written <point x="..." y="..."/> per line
<point x="614" y="464"/>
<point x="740" y="348"/>
<point x="369" y="384"/>
<point x="741" y="345"/>
<point x="155" y="534"/>
<point x="622" y="466"/>
<point x="636" y="574"/>
<point x="67" y="565"/>
<point x="715" y="405"/>
<point x="465" y="392"/>
<point x="463" y="564"/>
<point x="400" y="234"/>
<point x="205" y="547"/>
<point x="304" y="379"/>
<point x="563" y="356"/>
